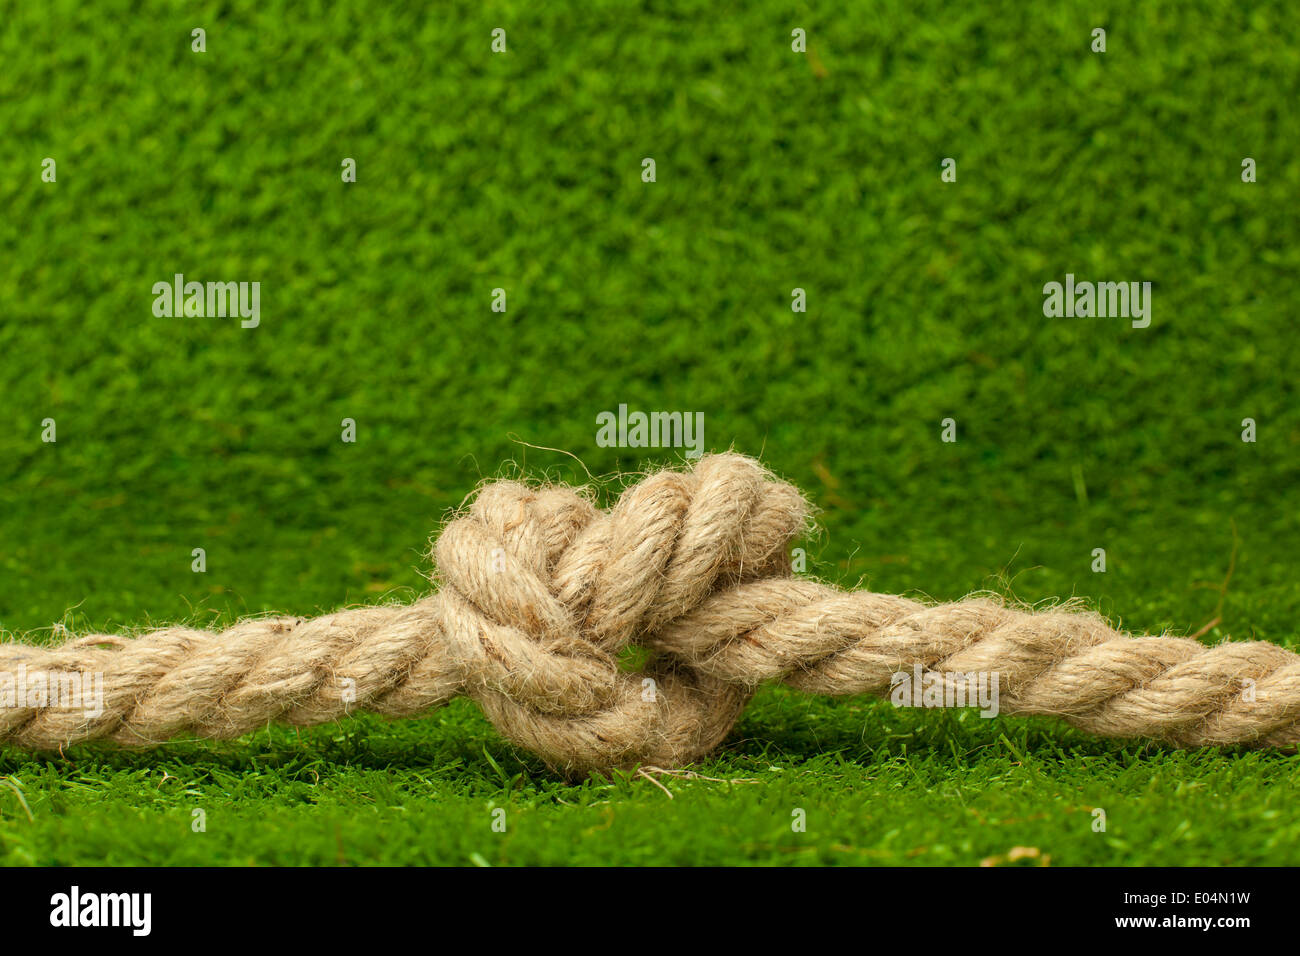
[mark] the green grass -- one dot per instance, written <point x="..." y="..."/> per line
<point x="775" y="170"/>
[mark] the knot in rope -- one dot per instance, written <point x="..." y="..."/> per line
<point x="541" y="593"/>
<point x="600" y="639"/>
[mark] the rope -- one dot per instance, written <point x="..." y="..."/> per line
<point x="540" y="592"/>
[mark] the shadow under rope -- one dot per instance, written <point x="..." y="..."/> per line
<point x="457" y="744"/>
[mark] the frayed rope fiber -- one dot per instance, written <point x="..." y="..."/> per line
<point x="540" y="591"/>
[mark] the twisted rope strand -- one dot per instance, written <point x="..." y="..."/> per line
<point x="540" y="591"/>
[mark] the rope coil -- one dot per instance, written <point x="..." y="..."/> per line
<point x="540" y="591"/>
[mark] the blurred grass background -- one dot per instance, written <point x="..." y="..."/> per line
<point x="775" y="170"/>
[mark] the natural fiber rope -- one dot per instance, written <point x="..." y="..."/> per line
<point x="540" y="591"/>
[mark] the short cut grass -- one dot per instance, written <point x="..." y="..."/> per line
<point x="775" y="170"/>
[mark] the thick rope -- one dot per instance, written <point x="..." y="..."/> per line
<point x="540" y="591"/>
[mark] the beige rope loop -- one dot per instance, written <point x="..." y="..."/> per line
<point x="540" y="593"/>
